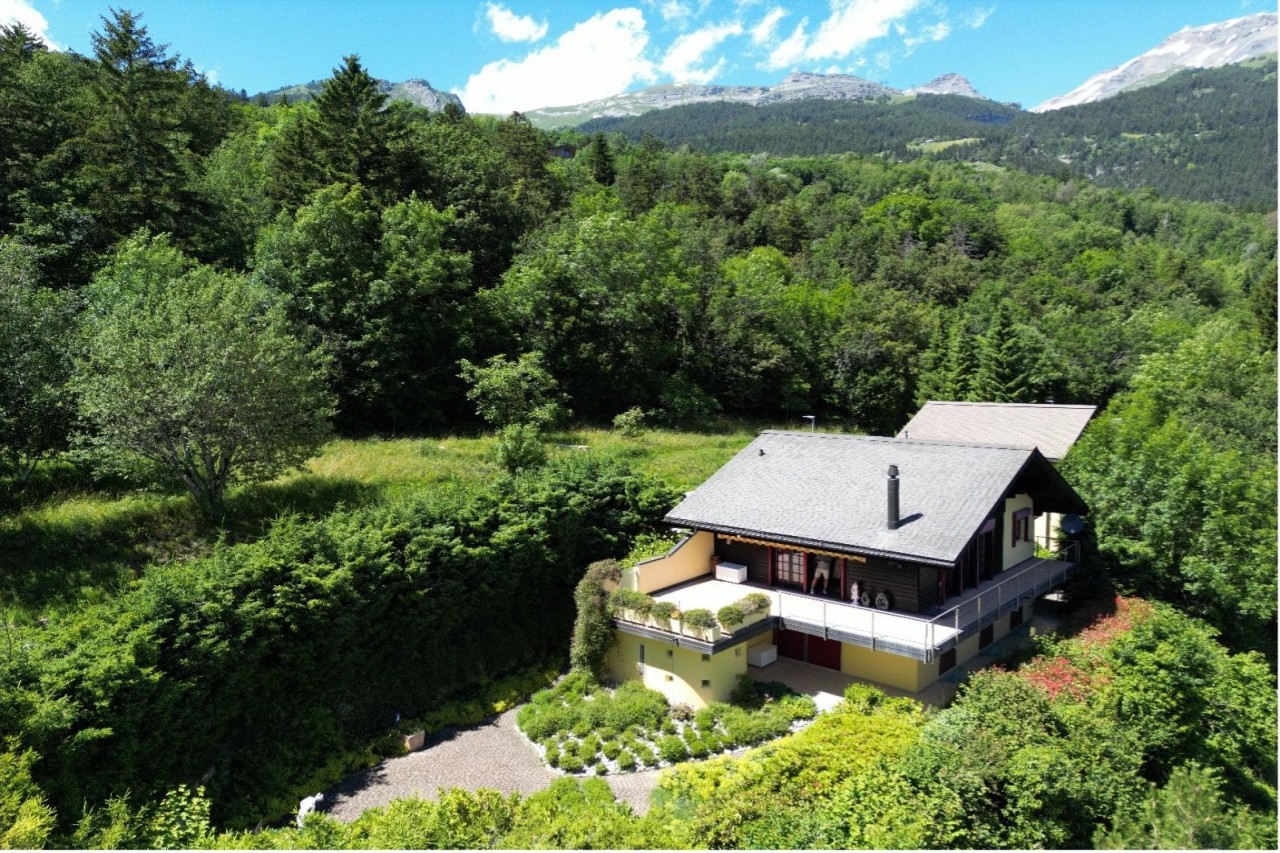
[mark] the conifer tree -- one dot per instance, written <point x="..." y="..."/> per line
<point x="1004" y="362"/>
<point x="603" y="170"/>
<point x="136" y="159"/>
<point x="352" y="130"/>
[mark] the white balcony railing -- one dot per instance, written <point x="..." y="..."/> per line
<point x="915" y="635"/>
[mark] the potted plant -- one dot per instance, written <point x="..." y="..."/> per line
<point x="754" y="606"/>
<point x="630" y="605"/>
<point x="731" y="617"/>
<point x="661" y="614"/>
<point x="701" y="622"/>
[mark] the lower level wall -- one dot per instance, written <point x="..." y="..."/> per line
<point x="971" y="646"/>
<point x="680" y="674"/>
<point x="884" y="668"/>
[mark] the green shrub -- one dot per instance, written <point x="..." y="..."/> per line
<point x="664" y="611"/>
<point x="630" y="424"/>
<point x="606" y="733"/>
<point x="798" y="707"/>
<point x="668" y="727"/>
<point x="700" y="618"/>
<point x="553" y="756"/>
<point x="697" y="746"/>
<point x="629" y="599"/>
<point x="588" y="749"/>
<point x="705" y="719"/>
<point x="633" y="704"/>
<point x="611" y="749"/>
<point x="650" y="545"/>
<point x="520" y="448"/>
<point x="713" y="742"/>
<point x="731" y="616"/>
<point x="571" y="763"/>
<point x="581" y="729"/>
<point x="626" y="761"/>
<point x="592" y="628"/>
<point x="755" y="602"/>
<point x="672" y="749"/>
<point x="602" y="769"/>
<point x="646" y="756"/>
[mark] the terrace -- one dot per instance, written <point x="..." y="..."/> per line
<point x="918" y="636"/>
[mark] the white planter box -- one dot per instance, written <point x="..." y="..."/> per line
<point x="731" y="572"/>
<point x="762" y="655"/>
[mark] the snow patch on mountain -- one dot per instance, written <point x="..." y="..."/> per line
<point x="1212" y="46"/>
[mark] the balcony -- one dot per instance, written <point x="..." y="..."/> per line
<point x="918" y="636"/>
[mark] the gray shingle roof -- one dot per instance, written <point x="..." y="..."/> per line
<point x="1051" y="427"/>
<point x="830" y="491"/>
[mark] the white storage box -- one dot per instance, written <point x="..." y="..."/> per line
<point x="731" y="572"/>
<point x="762" y="655"/>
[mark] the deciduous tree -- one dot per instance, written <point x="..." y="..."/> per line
<point x="195" y="375"/>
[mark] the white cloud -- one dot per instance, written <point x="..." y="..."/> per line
<point x="763" y="31"/>
<point x="976" y="17"/>
<point x="848" y="31"/>
<point x="688" y="52"/>
<point x="509" y="26"/>
<point x="854" y="23"/>
<point x="22" y="12"/>
<point x="673" y="10"/>
<point x="599" y="57"/>
<point x="937" y="32"/>
<point x="791" y="50"/>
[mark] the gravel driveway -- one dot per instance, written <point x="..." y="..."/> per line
<point x="493" y="755"/>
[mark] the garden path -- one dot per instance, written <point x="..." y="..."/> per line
<point x="493" y="754"/>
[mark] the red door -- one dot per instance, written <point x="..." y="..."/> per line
<point x="810" y="649"/>
<point x="791" y="644"/>
<point x="824" y="652"/>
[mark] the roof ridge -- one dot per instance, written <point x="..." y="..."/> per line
<point x="935" y="442"/>
<point x="1010" y="405"/>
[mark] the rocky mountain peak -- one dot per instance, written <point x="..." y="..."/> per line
<point x="948" y="84"/>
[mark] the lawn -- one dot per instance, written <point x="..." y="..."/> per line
<point x="67" y="538"/>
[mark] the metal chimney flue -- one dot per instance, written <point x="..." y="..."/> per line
<point x="893" y="497"/>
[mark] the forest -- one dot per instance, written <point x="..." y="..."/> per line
<point x="1207" y="134"/>
<point x="284" y="384"/>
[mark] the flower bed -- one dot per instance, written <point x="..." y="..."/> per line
<point x="583" y="727"/>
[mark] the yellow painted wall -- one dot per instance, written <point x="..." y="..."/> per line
<point x="1025" y="550"/>
<point x="690" y="559"/>
<point x="884" y="668"/>
<point x="675" y="672"/>
<point x="1047" y="530"/>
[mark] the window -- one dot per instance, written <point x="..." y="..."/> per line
<point x="986" y="636"/>
<point x="706" y="657"/>
<point x="1021" y="526"/>
<point x="790" y="567"/>
<point x="642" y="653"/>
<point x="706" y="682"/>
<point x="1015" y="619"/>
<point x="947" y="661"/>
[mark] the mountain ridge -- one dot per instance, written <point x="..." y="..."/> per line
<point x="1211" y="46"/>
<point x="796" y="86"/>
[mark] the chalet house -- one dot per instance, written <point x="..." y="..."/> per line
<point x="890" y="559"/>
<point x="1050" y="427"/>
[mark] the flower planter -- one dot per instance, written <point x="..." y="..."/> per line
<point x="710" y="635"/>
<point x="749" y="619"/>
<point x="659" y="623"/>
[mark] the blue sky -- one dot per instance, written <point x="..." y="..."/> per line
<point x="525" y="54"/>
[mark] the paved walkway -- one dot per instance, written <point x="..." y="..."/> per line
<point x="493" y="755"/>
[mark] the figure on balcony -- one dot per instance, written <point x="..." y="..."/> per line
<point x="822" y="572"/>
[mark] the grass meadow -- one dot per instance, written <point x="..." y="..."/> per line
<point x="67" y="538"/>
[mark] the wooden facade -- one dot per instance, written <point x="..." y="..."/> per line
<point x="912" y="587"/>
